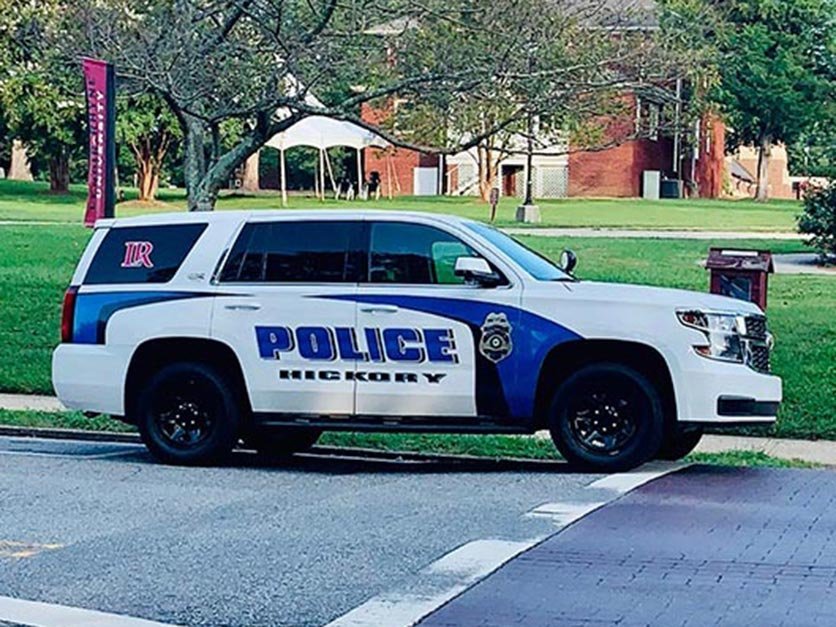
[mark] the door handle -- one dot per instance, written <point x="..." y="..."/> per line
<point x="242" y="307"/>
<point x="379" y="309"/>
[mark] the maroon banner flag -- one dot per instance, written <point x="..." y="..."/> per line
<point x="100" y="90"/>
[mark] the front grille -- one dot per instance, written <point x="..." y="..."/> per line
<point x="757" y="342"/>
<point x="758" y="357"/>
<point x="756" y="327"/>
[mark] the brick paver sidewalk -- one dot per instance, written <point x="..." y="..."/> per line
<point x="704" y="546"/>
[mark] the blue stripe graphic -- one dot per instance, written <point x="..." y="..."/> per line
<point x="93" y="310"/>
<point x="533" y="337"/>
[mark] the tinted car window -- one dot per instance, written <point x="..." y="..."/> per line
<point x="296" y="252"/>
<point x="142" y="254"/>
<point x="414" y="253"/>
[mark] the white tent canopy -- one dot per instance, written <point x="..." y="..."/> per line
<point x="320" y="132"/>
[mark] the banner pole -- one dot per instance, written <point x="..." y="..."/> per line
<point x="100" y="93"/>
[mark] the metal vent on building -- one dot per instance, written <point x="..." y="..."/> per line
<point x="550" y="181"/>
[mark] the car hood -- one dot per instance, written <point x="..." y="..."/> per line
<point x="620" y="293"/>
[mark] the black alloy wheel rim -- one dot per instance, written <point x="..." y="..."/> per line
<point x="604" y="420"/>
<point x="182" y="414"/>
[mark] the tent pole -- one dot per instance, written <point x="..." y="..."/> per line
<point x="316" y="178"/>
<point x="390" y="174"/>
<point x="322" y="174"/>
<point x="284" y="177"/>
<point x="330" y="171"/>
<point x="359" y="172"/>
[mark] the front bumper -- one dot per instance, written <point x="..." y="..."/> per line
<point x="718" y="393"/>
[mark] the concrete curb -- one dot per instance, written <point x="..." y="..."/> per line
<point x="617" y="233"/>
<point x="69" y="434"/>
<point x="84" y="435"/>
<point x="813" y="451"/>
<point x="30" y="402"/>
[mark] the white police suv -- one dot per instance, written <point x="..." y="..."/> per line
<point x="270" y="327"/>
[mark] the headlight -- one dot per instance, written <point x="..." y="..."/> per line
<point x="722" y="331"/>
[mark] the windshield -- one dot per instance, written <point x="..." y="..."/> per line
<point x="535" y="264"/>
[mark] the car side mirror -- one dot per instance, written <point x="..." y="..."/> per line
<point x="568" y="261"/>
<point x="475" y="269"/>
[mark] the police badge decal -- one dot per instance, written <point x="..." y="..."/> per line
<point x="496" y="344"/>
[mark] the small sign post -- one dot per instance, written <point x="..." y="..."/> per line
<point x="494" y="200"/>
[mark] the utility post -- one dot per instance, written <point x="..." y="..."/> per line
<point x="528" y="211"/>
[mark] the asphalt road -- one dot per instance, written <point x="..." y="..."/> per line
<point x="100" y="526"/>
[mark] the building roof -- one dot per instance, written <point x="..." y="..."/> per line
<point x="737" y="170"/>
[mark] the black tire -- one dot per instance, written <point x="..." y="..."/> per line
<point x="188" y="414"/>
<point x="283" y="441"/>
<point x="625" y="432"/>
<point x="679" y="443"/>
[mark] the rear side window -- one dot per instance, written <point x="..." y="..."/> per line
<point x="142" y="254"/>
<point x="296" y="252"/>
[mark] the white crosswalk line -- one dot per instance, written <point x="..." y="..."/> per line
<point x="38" y="614"/>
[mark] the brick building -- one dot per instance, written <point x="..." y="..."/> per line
<point x="568" y="172"/>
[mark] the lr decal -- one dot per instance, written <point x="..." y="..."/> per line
<point x="138" y="255"/>
<point x="496" y="344"/>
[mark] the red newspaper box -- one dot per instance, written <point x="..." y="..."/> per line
<point x="740" y="273"/>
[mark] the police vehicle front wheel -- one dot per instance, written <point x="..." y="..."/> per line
<point x="187" y="414"/>
<point x="607" y="417"/>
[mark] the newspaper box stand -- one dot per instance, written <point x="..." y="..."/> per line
<point x="740" y="273"/>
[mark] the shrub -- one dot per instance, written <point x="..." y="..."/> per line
<point x="819" y="219"/>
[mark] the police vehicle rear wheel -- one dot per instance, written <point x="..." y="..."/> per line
<point x="607" y="417"/>
<point x="187" y="414"/>
<point x="284" y="441"/>
<point x="679" y="443"/>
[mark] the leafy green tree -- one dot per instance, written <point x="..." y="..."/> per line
<point x="43" y="102"/>
<point x="148" y="128"/>
<point x="778" y="69"/>
<point x="814" y="152"/>
<point x="256" y="63"/>
<point x="5" y="142"/>
<point x="819" y="220"/>
<point x="573" y="78"/>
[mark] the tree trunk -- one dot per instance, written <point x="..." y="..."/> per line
<point x="194" y="166"/>
<point x="204" y="181"/>
<point x="764" y="152"/>
<point x="147" y="175"/>
<point x="204" y="196"/>
<point x="59" y="173"/>
<point x="487" y="172"/>
<point x="249" y="177"/>
<point x="19" y="169"/>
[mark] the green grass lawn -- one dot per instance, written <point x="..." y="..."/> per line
<point x="33" y="202"/>
<point x="36" y="263"/>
